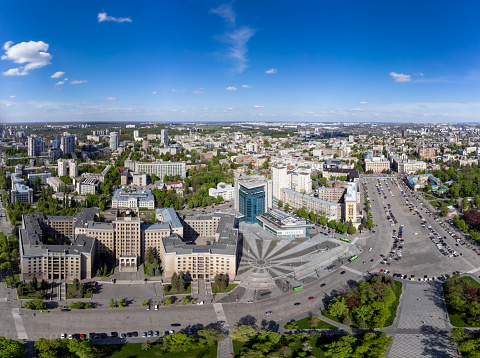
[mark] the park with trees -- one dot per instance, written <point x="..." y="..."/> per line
<point x="371" y="304"/>
<point x="462" y="296"/>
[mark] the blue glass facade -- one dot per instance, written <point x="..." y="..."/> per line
<point x="251" y="203"/>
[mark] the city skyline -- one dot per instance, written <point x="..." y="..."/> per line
<point x="239" y="61"/>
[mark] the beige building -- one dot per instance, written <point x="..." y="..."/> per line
<point x="202" y="261"/>
<point x="71" y="256"/>
<point x="128" y="243"/>
<point x="377" y="165"/>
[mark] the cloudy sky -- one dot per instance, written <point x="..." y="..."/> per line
<point x="243" y="60"/>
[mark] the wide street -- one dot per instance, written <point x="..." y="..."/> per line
<point x="420" y="257"/>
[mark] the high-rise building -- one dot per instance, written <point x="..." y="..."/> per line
<point x="114" y="141"/>
<point x="67" y="167"/>
<point x="128" y="246"/>
<point x="280" y="180"/>
<point x="35" y="146"/>
<point x="253" y="197"/>
<point x="67" y="143"/>
<point x="164" y="137"/>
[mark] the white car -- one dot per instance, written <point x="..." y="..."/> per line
<point x="63" y="335"/>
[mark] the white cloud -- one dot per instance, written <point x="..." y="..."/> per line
<point x="226" y="12"/>
<point x="12" y="96"/>
<point x="258" y="106"/>
<point x="272" y="70"/>
<point x="400" y="77"/>
<point x="104" y="17"/>
<point x="419" y="74"/>
<point x="110" y="99"/>
<point x="363" y="102"/>
<point x="197" y="92"/>
<point x="57" y="74"/>
<point x="246" y="86"/>
<point x="77" y="82"/>
<point x="154" y="92"/>
<point x="59" y="83"/>
<point x="65" y="79"/>
<point x="174" y="90"/>
<point x="231" y="88"/>
<point x="236" y="39"/>
<point x="31" y="53"/>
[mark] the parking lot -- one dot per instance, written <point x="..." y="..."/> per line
<point x="404" y="233"/>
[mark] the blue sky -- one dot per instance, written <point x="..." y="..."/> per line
<point x="244" y="60"/>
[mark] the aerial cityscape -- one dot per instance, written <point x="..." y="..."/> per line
<point x="242" y="179"/>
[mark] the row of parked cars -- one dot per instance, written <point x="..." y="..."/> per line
<point x="133" y="334"/>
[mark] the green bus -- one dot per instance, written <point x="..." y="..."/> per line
<point x="353" y="258"/>
<point x="298" y="288"/>
<point x="344" y="240"/>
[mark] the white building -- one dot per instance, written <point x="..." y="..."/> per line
<point x="114" y="138"/>
<point x="299" y="180"/>
<point x="139" y="179"/>
<point x="226" y="191"/>
<point x="55" y="183"/>
<point x="67" y="167"/>
<point x="20" y="191"/>
<point x="89" y="185"/>
<point x="164" y="137"/>
<point x="35" y="146"/>
<point x="280" y="180"/>
<point x="252" y="147"/>
<point x="137" y="199"/>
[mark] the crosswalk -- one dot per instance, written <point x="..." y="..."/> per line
<point x="474" y="270"/>
<point x="352" y="270"/>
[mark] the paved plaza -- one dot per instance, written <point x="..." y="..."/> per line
<point x="421" y="328"/>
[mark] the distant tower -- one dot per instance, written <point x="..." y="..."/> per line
<point x="67" y="143"/>
<point x="35" y="146"/>
<point x="164" y="137"/>
<point x="114" y="141"/>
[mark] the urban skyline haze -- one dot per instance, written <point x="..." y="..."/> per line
<point x="369" y="61"/>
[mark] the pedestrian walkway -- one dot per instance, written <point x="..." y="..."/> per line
<point x="422" y="326"/>
<point x="225" y="348"/>
<point x="221" y="317"/>
<point x="21" y="332"/>
<point x="352" y="270"/>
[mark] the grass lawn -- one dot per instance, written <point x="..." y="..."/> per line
<point x="393" y="309"/>
<point x="458" y="319"/>
<point x="304" y="323"/>
<point x="26" y="294"/>
<point x="134" y="350"/>
<point x="168" y="290"/>
<point x="316" y="351"/>
<point x="70" y="291"/>
<point x="471" y="281"/>
<point x="230" y="287"/>
<point x="146" y="269"/>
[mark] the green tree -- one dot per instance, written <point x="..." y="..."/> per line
<point x="146" y="345"/>
<point x="221" y="281"/>
<point x="178" y="342"/>
<point x="287" y="207"/>
<point x="151" y="254"/>
<point x="352" y="230"/>
<point x="242" y="333"/>
<point x="112" y="302"/>
<point x="82" y="348"/>
<point x="444" y="210"/>
<point x="209" y="337"/>
<point x="10" y="348"/>
<point x="280" y="203"/>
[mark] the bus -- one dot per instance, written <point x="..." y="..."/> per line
<point x="353" y="258"/>
<point x="344" y="240"/>
<point x="298" y="288"/>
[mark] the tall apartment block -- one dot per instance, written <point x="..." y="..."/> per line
<point x="35" y="146"/>
<point x="67" y="143"/>
<point x="114" y="141"/>
<point x="67" y="167"/>
<point x="164" y="137"/>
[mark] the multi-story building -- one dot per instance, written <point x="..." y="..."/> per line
<point x="114" y="139"/>
<point x="253" y="197"/>
<point x="43" y="178"/>
<point x="426" y="151"/>
<point x="128" y="239"/>
<point x="377" y="165"/>
<point x="35" y="146"/>
<point x="160" y="169"/>
<point x="252" y="147"/>
<point x="136" y="199"/>
<point x="67" y="167"/>
<point x="202" y="261"/>
<point x="60" y="261"/>
<point x="89" y="185"/>
<point x="67" y="143"/>
<point x="20" y="191"/>
<point x="280" y="180"/>
<point x="226" y="191"/>
<point x="164" y="137"/>
<point x="56" y="183"/>
<point x="408" y="166"/>
<point x="139" y="179"/>
<point x="284" y="225"/>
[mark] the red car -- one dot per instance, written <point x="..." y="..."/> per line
<point x="311" y="298"/>
<point x="82" y="336"/>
